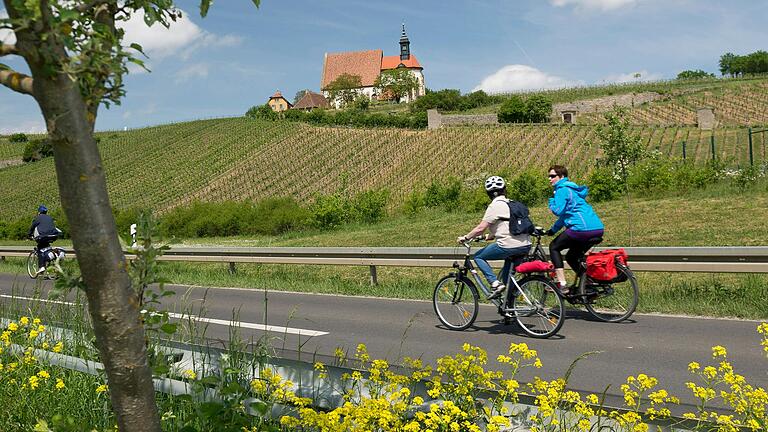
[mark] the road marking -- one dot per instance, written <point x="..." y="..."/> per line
<point x="254" y="326"/>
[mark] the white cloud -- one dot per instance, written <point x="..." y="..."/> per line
<point x="6" y="36"/>
<point x="29" y="126"/>
<point x="518" y="77"/>
<point x="181" y="38"/>
<point x="638" y="76"/>
<point x="197" y="70"/>
<point x="604" y="5"/>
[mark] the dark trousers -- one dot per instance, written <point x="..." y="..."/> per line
<point x="576" y="250"/>
<point x="43" y="243"/>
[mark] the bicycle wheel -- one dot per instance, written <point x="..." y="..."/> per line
<point x="32" y="265"/>
<point x="539" y="309"/>
<point x="456" y="302"/>
<point x="612" y="302"/>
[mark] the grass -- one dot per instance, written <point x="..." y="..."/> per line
<point x="9" y="150"/>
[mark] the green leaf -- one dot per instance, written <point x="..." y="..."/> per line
<point x="188" y="428"/>
<point x="257" y="3"/>
<point x="210" y="380"/>
<point x="260" y="406"/>
<point x="161" y="369"/>
<point x="204" y="6"/>
<point x="232" y="388"/>
<point x="169" y="328"/>
<point x="210" y="409"/>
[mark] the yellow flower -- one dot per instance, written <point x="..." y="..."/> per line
<point x="33" y="334"/>
<point x="693" y="366"/>
<point x="34" y="382"/>
<point x="45" y="345"/>
<point x="718" y="351"/>
<point x="59" y="383"/>
<point x="43" y="374"/>
<point x="13" y="326"/>
<point x="101" y="389"/>
<point x="189" y="373"/>
<point x="36" y="321"/>
<point x="24" y="321"/>
<point x="58" y="347"/>
<point x="592" y="398"/>
<point x="584" y="424"/>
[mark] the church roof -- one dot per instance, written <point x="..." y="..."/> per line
<point x="392" y="62"/>
<point x="312" y="100"/>
<point x="365" y="64"/>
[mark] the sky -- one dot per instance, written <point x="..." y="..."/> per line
<point x="239" y="55"/>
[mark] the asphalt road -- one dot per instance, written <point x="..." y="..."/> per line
<point x="660" y="346"/>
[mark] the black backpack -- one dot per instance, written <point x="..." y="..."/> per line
<point x="519" y="221"/>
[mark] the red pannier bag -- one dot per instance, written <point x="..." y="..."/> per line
<point x="536" y="266"/>
<point x="601" y="266"/>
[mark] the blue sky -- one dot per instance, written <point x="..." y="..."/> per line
<point x="239" y="55"/>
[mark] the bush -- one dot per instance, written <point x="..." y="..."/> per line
<point x="444" y="193"/>
<point x="37" y="149"/>
<point x="18" y="138"/>
<point x="331" y="211"/>
<point x="604" y="185"/>
<point x="513" y="110"/>
<point x="538" y="109"/>
<point x="263" y="112"/>
<point x="413" y="203"/>
<point x="529" y="187"/>
<point x="370" y="206"/>
<point x="278" y="215"/>
<point x="361" y="103"/>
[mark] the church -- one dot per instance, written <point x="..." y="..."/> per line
<point x="368" y="65"/>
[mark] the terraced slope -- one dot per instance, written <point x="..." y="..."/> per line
<point x="745" y="104"/>
<point x="237" y="159"/>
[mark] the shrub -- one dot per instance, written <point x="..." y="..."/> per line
<point x="652" y="175"/>
<point x="278" y="215"/>
<point x="18" y="229"/>
<point x="513" y="110"/>
<point x="529" y="187"/>
<point x="124" y="218"/>
<point x="37" y="149"/>
<point x="444" y="193"/>
<point x="538" y="108"/>
<point x="18" y="138"/>
<point x="604" y="185"/>
<point x="413" y="203"/>
<point x="361" y="103"/>
<point x="331" y="211"/>
<point x="474" y="199"/>
<point x="370" y="206"/>
<point x="263" y="112"/>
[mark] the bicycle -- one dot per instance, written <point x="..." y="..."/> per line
<point x="533" y="300"/>
<point x="53" y="255"/>
<point x="608" y="301"/>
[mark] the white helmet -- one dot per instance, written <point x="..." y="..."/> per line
<point x="494" y="183"/>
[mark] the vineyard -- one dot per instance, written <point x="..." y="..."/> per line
<point x="745" y="104"/>
<point x="240" y="159"/>
<point x="9" y="150"/>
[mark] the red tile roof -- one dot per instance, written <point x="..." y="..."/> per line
<point x="365" y="64"/>
<point x="277" y="95"/>
<point x="312" y="100"/>
<point x="392" y="62"/>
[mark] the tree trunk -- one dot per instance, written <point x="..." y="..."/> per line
<point x="111" y="301"/>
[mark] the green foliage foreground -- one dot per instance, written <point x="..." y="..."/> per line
<point x="463" y="393"/>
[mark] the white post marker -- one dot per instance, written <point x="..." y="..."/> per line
<point x="133" y="236"/>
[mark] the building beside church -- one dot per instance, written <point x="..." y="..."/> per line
<point x="278" y="103"/>
<point x="310" y="101"/>
<point x="368" y="65"/>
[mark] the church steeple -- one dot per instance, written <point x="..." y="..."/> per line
<point x="405" y="46"/>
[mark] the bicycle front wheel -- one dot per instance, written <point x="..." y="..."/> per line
<point x="538" y="309"/>
<point x="32" y="265"/>
<point x="613" y="302"/>
<point x="456" y="302"/>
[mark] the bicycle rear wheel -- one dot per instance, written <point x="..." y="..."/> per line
<point x="456" y="302"/>
<point x="613" y="302"/>
<point x="32" y="265"/>
<point x="539" y="309"/>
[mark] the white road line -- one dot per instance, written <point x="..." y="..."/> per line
<point x="254" y="326"/>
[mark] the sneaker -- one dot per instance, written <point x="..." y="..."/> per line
<point x="40" y="271"/>
<point x="498" y="288"/>
<point x="564" y="289"/>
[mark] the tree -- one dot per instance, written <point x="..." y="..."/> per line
<point x="726" y="63"/>
<point x="299" y="94"/>
<point x="344" y="88"/>
<point x="77" y="60"/>
<point x="538" y="109"/>
<point x="397" y="83"/>
<point x="694" y="74"/>
<point x="264" y="112"/>
<point x="621" y="149"/>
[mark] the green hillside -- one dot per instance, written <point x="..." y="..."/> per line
<point x="239" y="158"/>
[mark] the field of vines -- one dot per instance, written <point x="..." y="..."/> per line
<point x="9" y="150"/>
<point x="745" y="104"/>
<point x="238" y="159"/>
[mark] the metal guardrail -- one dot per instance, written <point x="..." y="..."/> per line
<point x="735" y="259"/>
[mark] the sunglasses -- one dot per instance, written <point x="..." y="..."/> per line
<point x="552" y="175"/>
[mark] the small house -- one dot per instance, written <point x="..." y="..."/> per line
<point x="278" y="103"/>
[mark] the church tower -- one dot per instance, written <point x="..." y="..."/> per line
<point x="405" y="46"/>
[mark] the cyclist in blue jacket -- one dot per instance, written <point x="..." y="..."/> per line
<point x="583" y="228"/>
<point x="44" y="232"/>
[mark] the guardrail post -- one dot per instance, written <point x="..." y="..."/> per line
<point x="232" y="269"/>
<point x="374" y="277"/>
<point x="712" y="145"/>
<point x="684" y="150"/>
<point x="751" y="160"/>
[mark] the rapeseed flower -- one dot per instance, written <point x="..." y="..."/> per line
<point x="60" y="384"/>
<point x="101" y="388"/>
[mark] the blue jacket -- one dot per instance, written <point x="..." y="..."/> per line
<point x="571" y="209"/>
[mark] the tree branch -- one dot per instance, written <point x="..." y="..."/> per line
<point x="87" y="7"/>
<point x="6" y="49"/>
<point x="15" y="81"/>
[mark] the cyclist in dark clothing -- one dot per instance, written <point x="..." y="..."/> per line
<point x="44" y="232"/>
